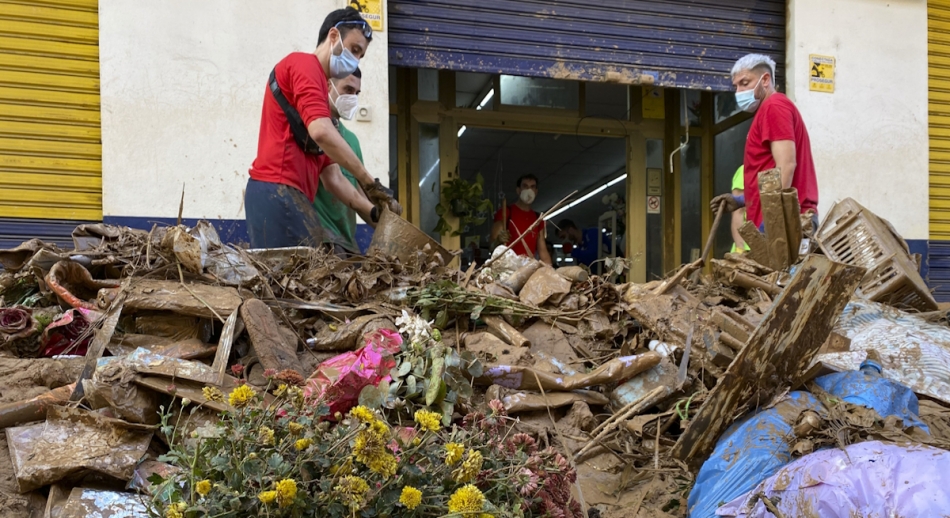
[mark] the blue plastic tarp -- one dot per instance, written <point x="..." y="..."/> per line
<point x="758" y="446"/>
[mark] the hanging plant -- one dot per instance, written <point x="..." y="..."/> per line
<point x="465" y="200"/>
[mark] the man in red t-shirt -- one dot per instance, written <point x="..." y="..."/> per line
<point x="298" y="141"/>
<point x="521" y="218"/>
<point x="777" y="138"/>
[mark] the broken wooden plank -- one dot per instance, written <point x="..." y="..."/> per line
<point x="156" y="295"/>
<point x="773" y="216"/>
<point x="770" y="180"/>
<point x="758" y="245"/>
<point x="779" y="351"/>
<point x="103" y="336"/>
<point x="266" y="340"/>
<point x="228" y="334"/>
<point x="743" y="280"/>
<point x="793" y="222"/>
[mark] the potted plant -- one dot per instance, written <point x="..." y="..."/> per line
<point x="466" y="201"/>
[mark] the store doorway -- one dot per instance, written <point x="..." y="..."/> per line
<point x="593" y="167"/>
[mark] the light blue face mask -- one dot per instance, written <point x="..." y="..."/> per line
<point x="746" y="99"/>
<point x="343" y="65"/>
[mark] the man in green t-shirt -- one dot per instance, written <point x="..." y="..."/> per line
<point x="738" y="216"/>
<point x="339" y="220"/>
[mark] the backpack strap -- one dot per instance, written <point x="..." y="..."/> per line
<point x="297" y="127"/>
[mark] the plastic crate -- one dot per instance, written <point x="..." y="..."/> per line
<point x="851" y="234"/>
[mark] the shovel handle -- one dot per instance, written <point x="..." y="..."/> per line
<point x="712" y="232"/>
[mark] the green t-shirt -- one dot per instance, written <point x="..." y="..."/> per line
<point x="338" y="220"/>
<point x="738" y="184"/>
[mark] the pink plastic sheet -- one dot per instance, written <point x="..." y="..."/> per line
<point x="338" y="381"/>
<point x="873" y="479"/>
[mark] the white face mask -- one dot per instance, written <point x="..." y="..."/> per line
<point x="344" y="64"/>
<point x="346" y="104"/>
<point x="527" y="196"/>
<point x="746" y="100"/>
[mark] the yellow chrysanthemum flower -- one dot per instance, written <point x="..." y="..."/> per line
<point x="295" y="428"/>
<point x="470" y="467"/>
<point x="203" y="487"/>
<point x="379" y="427"/>
<point x="281" y="390"/>
<point x="363" y="414"/>
<point x="176" y="510"/>
<point x="368" y="446"/>
<point x="212" y="394"/>
<point x="354" y="490"/>
<point x="453" y="453"/>
<point x="286" y="492"/>
<point x="241" y="396"/>
<point x="467" y="499"/>
<point x="267" y="436"/>
<point x="267" y="497"/>
<point x="410" y="497"/>
<point x="384" y="465"/>
<point x="428" y="421"/>
<point x="303" y="444"/>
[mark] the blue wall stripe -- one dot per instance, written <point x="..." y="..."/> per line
<point x="14" y="231"/>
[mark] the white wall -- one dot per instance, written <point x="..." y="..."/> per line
<point x="869" y="138"/>
<point x="182" y="87"/>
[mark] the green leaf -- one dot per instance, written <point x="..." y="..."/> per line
<point x="371" y="397"/>
<point x="435" y="380"/>
<point x="155" y="479"/>
<point x="440" y="210"/>
<point x="447" y="409"/>
<point x="274" y="461"/>
<point x="404" y="368"/>
<point x="411" y="387"/>
<point x="477" y="312"/>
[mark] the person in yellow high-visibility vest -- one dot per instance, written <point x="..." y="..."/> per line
<point x="738" y="216"/>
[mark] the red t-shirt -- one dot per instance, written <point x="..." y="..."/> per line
<point x="279" y="158"/>
<point x="778" y="119"/>
<point x="520" y="220"/>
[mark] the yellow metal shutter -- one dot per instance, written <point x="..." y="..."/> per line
<point x="938" y="45"/>
<point x="50" y="138"/>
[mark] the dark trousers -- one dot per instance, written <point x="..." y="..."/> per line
<point x="280" y="216"/>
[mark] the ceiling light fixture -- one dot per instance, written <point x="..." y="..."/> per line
<point x="587" y="196"/>
<point x="488" y="96"/>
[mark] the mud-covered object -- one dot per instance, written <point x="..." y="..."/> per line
<point x="74" y="286"/>
<point x="544" y="286"/>
<point x="112" y="387"/>
<point x="528" y="378"/>
<point x="94" y="503"/>
<point x="73" y="442"/>
<point x="866" y="479"/>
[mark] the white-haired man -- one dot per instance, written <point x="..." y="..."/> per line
<point x="777" y="138"/>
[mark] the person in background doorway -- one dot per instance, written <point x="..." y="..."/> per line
<point x="338" y="219"/>
<point x="581" y="245"/>
<point x="298" y="141"/>
<point x="521" y="219"/>
<point x="738" y="216"/>
<point x="777" y="138"/>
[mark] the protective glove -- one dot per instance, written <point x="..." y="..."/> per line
<point x="731" y="204"/>
<point x="503" y="237"/>
<point x="382" y="196"/>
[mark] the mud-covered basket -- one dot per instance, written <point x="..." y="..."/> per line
<point x="395" y="236"/>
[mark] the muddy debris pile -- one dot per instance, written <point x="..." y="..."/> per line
<point x="122" y="357"/>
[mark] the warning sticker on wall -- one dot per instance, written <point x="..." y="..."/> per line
<point x="653" y="204"/>
<point x="821" y="74"/>
<point x="371" y="11"/>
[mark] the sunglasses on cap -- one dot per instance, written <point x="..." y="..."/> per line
<point x="365" y="28"/>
